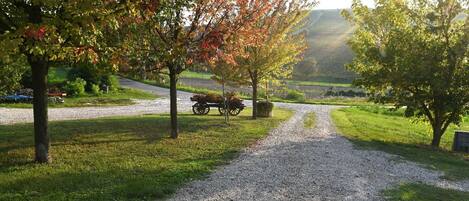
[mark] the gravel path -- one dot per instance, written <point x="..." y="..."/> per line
<point x="294" y="163"/>
<point x="161" y="105"/>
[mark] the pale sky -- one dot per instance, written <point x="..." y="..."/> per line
<point x="339" y="4"/>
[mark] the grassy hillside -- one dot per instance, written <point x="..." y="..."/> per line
<point x="327" y="34"/>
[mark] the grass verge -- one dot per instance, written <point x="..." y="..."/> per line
<point x="388" y="131"/>
<point x="310" y="120"/>
<point x="208" y="76"/>
<point x="423" y="192"/>
<point x="121" y="97"/>
<point x="322" y="101"/>
<point x="123" y="158"/>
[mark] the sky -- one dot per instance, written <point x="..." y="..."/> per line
<point x="339" y="4"/>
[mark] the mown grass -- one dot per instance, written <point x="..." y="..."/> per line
<point x="423" y="192"/>
<point x="208" y="76"/>
<point x="196" y="75"/>
<point x="315" y="83"/>
<point x="57" y="75"/>
<point x="318" y="101"/>
<point x="123" y="158"/>
<point x="121" y="97"/>
<point x="310" y="120"/>
<point x="379" y="128"/>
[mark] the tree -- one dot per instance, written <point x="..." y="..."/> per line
<point x="414" y="54"/>
<point x="45" y="31"/>
<point x="183" y="32"/>
<point x="273" y="55"/>
<point x="10" y="75"/>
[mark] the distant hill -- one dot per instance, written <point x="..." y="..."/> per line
<point x="327" y="34"/>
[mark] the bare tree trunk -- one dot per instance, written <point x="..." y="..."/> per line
<point x="254" y="97"/>
<point x="40" y="69"/>
<point x="439" y="127"/>
<point x="437" y="133"/>
<point x="173" y="103"/>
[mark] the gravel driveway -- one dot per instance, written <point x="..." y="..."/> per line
<point x="294" y="163"/>
<point x="161" y="105"/>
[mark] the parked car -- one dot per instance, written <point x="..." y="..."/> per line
<point x="16" y="99"/>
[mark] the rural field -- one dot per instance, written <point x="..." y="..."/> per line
<point x="191" y="100"/>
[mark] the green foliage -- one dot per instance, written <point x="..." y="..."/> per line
<point x="373" y="128"/>
<point x="93" y="75"/>
<point x="10" y="75"/>
<point x="295" y="95"/>
<point x="123" y="158"/>
<point x="95" y="90"/>
<point x="424" y="192"/>
<point x="75" y="87"/>
<point x="112" y="82"/>
<point x="414" y="54"/>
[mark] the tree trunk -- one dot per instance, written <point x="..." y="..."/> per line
<point x="173" y="103"/>
<point x="254" y="98"/>
<point x="437" y="133"/>
<point x="40" y="69"/>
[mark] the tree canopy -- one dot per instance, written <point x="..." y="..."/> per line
<point x="414" y="54"/>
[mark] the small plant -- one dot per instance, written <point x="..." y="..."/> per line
<point x="95" y="90"/>
<point x="295" y="95"/>
<point x="76" y="87"/>
<point x="112" y="82"/>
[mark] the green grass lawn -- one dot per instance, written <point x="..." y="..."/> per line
<point x="310" y="120"/>
<point x="121" y="97"/>
<point x="314" y="83"/>
<point x="208" y="76"/>
<point x="318" y="101"/>
<point x="371" y="127"/>
<point x="123" y="158"/>
<point x="57" y="75"/>
<point x="422" y="192"/>
<point x="196" y="75"/>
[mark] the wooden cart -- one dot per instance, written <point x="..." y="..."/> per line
<point x="205" y="102"/>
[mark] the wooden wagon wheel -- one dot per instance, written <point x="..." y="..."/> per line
<point x="221" y="110"/>
<point x="235" y="111"/>
<point x="200" y="109"/>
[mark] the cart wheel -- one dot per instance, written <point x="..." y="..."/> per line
<point x="221" y="110"/>
<point x="235" y="111"/>
<point x="200" y="109"/>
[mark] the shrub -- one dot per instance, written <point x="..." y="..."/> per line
<point x="111" y="81"/>
<point x="94" y="75"/>
<point x="295" y="95"/>
<point x="76" y="87"/>
<point x="95" y="90"/>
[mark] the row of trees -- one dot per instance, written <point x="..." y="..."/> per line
<point x="156" y="35"/>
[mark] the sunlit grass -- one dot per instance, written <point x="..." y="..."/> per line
<point x="123" y="158"/>
<point x="120" y="97"/>
<point x="422" y="192"/>
<point x="391" y="132"/>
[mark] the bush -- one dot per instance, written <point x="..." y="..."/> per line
<point x="95" y="90"/>
<point x="295" y="95"/>
<point x="112" y="82"/>
<point x="76" y="87"/>
<point x="94" y="75"/>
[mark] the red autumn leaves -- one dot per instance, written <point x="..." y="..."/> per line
<point x="35" y="33"/>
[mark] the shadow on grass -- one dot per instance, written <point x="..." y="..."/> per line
<point x="454" y="165"/>
<point x="423" y="192"/>
<point x="122" y="158"/>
